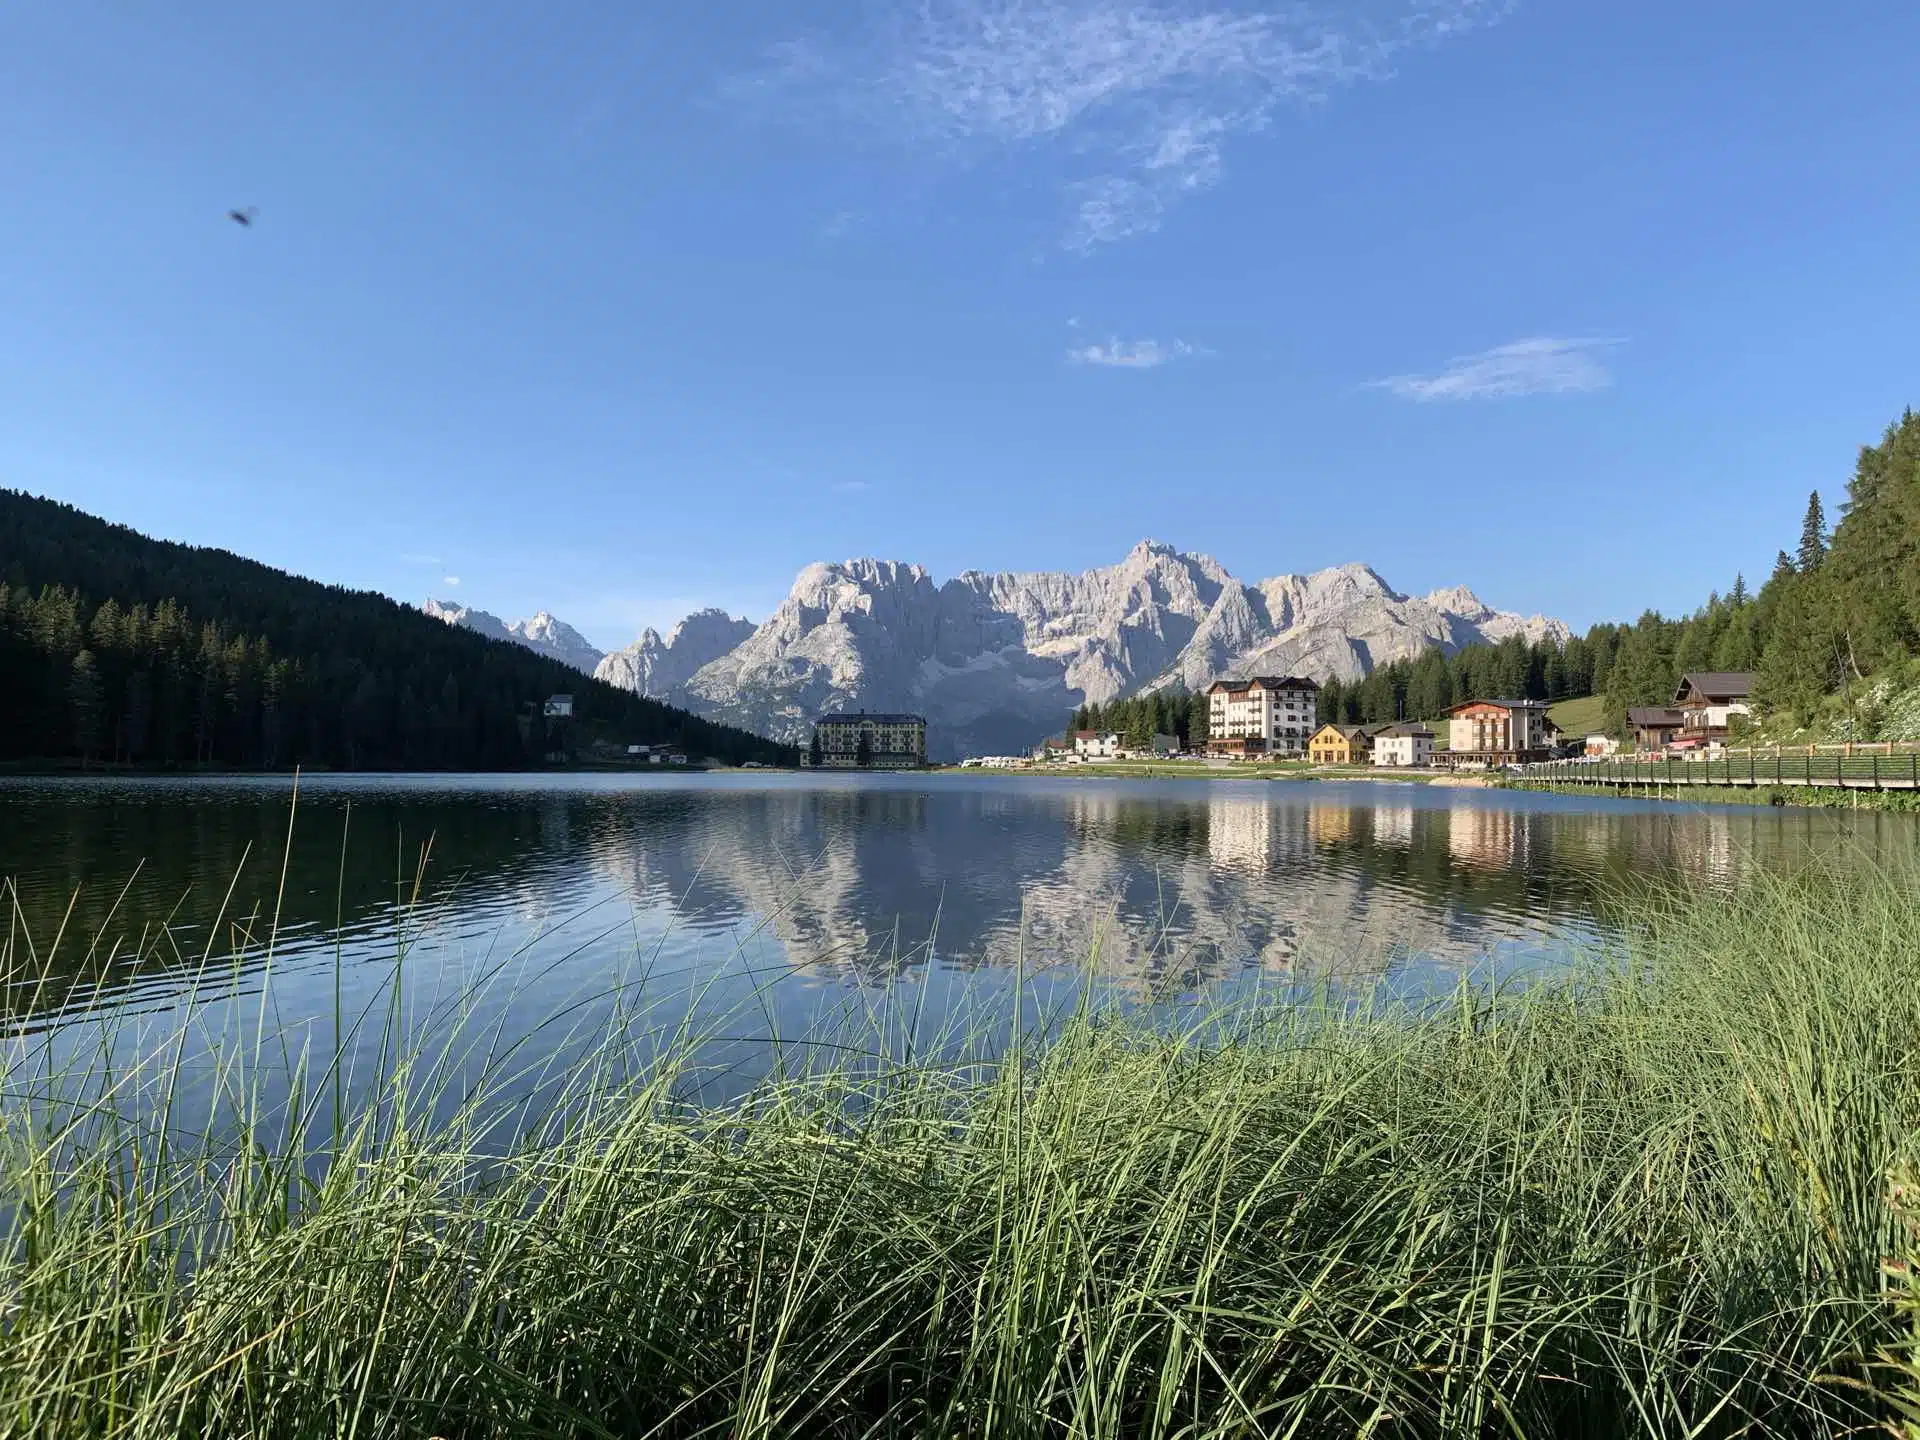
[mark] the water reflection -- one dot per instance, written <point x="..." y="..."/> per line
<point x="1162" y="886"/>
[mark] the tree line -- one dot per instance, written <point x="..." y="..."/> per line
<point x="1839" y="608"/>
<point x="117" y="648"/>
<point x="1421" y="689"/>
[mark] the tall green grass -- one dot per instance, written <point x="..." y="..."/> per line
<point x="1650" y="1198"/>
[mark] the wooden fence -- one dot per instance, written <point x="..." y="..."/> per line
<point x="1881" y="769"/>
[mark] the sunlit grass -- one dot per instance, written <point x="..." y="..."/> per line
<point x="1651" y="1198"/>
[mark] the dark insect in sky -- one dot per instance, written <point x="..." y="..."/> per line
<point x="243" y="217"/>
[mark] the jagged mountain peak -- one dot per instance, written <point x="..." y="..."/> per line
<point x="997" y="659"/>
<point x="653" y="666"/>
<point x="1459" y="600"/>
<point x="542" y="633"/>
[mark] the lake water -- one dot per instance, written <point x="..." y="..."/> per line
<point x="763" y="903"/>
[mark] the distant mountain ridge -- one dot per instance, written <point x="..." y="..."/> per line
<point x="997" y="660"/>
<point x="542" y="634"/>
<point x="653" y="666"/>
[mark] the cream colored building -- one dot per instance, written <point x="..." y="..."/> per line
<point x="1406" y="745"/>
<point x="867" y="742"/>
<point x="1483" y="733"/>
<point x="1266" y="715"/>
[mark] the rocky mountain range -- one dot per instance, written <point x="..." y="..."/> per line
<point x="553" y="638"/>
<point x="652" y="666"/>
<point x="996" y="661"/>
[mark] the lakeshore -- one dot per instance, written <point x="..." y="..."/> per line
<point x="1248" y="1220"/>
<point x="843" y="1103"/>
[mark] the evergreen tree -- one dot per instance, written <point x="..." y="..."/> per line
<point x="1813" y="536"/>
<point x="200" y="657"/>
<point x="1873" y="565"/>
<point x="863" y="750"/>
<point x="87" y="700"/>
<point x="1739" y="595"/>
<point x="1644" y="671"/>
<point x="1796" y="668"/>
<point x="1197" y="709"/>
<point x="1430" y="688"/>
<point x="1736" y="649"/>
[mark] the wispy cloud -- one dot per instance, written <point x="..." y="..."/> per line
<point x="1539" y="366"/>
<point x="1138" y="100"/>
<point x="452" y="582"/>
<point x="430" y="562"/>
<point x="851" y="487"/>
<point x="1120" y="354"/>
<point x="842" y="223"/>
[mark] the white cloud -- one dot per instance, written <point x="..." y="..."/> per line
<point x="431" y="562"/>
<point x="851" y="487"/>
<point x="1539" y="366"/>
<point x="1137" y="100"/>
<point x="841" y="223"/>
<point x="1131" y="354"/>
<point x="452" y="582"/>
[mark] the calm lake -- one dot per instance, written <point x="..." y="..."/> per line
<point x="762" y="904"/>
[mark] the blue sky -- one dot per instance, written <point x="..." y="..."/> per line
<point x="620" y="310"/>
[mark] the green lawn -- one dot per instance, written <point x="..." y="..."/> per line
<point x="1585" y="716"/>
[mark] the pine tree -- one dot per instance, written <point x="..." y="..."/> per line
<point x="86" y="703"/>
<point x="1739" y="595"/>
<point x="1797" y="668"/>
<point x="1197" y="709"/>
<point x="1873" y="564"/>
<point x="1813" y="536"/>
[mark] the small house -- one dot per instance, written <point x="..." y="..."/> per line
<point x="1708" y="700"/>
<point x="1341" y="745"/>
<point x="1654" y="726"/>
<point x="1409" y="745"/>
<point x="1096" y="745"/>
<point x="559" y="707"/>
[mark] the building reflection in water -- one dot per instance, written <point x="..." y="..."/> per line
<point x="1161" y="887"/>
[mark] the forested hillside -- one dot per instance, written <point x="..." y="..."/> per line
<point x="115" y="647"/>
<point x="1835" y="631"/>
<point x="1834" y="634"/>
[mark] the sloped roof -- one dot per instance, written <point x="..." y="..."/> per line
<point x="1265" y="682"/>
<point x="1654" y="717"/>
<point x="1715" y="684"/>
<point x="1503" y="704"/>
<point x="1405" y="727"/>
<point x="1345" y="732"/>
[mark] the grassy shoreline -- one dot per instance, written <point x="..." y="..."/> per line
<point x="1649" y="1198"/>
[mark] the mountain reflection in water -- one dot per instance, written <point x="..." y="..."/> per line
<point x="829" y="881"/>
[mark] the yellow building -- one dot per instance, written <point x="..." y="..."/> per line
<point x="1340" y="745"/>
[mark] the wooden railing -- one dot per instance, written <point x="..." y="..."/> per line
<point x="1857" y="767"/>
